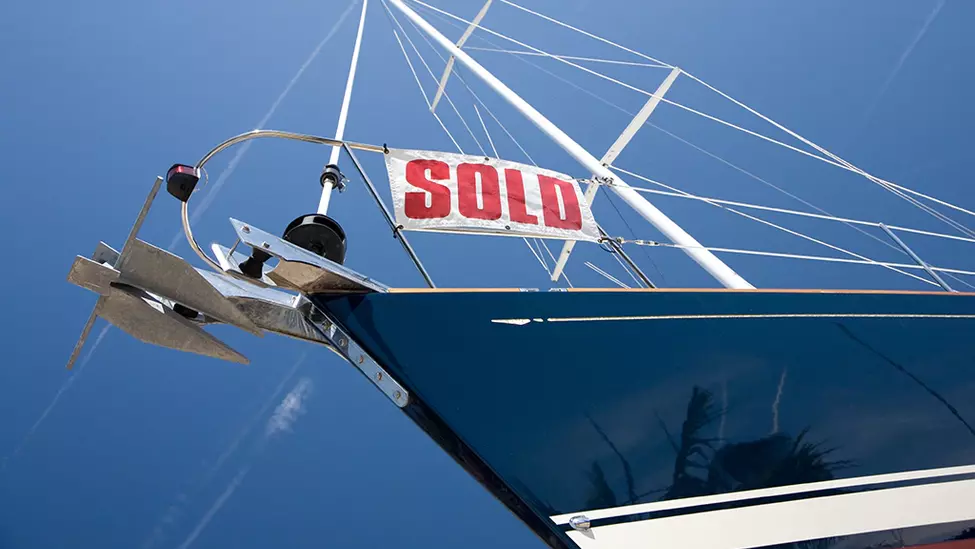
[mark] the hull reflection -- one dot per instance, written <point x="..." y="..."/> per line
<point x="628" y="407"/>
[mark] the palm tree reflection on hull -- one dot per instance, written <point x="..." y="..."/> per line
<point x="705" y="465"/>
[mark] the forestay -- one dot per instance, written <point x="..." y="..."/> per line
<point x="437" y="191"/>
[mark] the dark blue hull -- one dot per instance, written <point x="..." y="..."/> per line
<point x="564" y="403"/>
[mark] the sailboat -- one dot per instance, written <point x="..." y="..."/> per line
<point x="549" y="399"/>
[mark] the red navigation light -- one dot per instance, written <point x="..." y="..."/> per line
<point x="181" y="180"/>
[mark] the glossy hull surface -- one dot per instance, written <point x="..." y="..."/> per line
<point x="640" y="409"/>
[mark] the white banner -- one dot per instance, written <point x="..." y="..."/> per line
<point x="437" y="191"/>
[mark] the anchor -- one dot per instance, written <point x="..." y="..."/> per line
<point x="159" y="298"/>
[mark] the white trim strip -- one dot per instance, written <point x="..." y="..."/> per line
<point x="767" y="492"/>
<point x="771" y="315"/>
<point x="727" y="317"/>
<point x="793" y="521"/>
<point x="512" y="321"/>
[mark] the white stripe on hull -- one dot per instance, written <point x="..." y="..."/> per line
<point x="769" y="492"/>
<point x="765" y="316"/>
<point x="793" y="521"/>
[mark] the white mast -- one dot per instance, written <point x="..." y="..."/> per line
<point x="344" y="112"/>
<point x="717" y="268"/>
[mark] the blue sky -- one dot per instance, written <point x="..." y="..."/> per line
<point x="149" y="448"/>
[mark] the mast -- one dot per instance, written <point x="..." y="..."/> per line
<point x="714" y="266"/>
<point x="344" y="111"/>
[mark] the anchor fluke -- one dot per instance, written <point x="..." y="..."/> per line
<point x="157" y="298"/>
<point x="154" y="295"/>
<point x="157" y="271"/>
<point x="149" y="320"/>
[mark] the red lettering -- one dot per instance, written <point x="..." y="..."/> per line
<point x="551" y="189"/>
<point x="415" y="203"/>
<point x="467" y="179"/>
<point x="516" y="198"/>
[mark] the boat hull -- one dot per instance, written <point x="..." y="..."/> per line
<point x="649" y="412"/>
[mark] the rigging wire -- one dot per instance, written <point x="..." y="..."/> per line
<point x="541" y="261"/>
<point x="495" y="118"/>
<point x="590" y="35"/>
<point x="457" y="71"/>
<point x="432" y="75"/>
<point x="801" y="235"/>
<point x="849" y="222"/>
<point x="393" y="20"/>
<point x="486" y="132"/>
<point x="494" y="149"/>
<point x="789" y="231"/>
<point x="801" y="256"/>
<point x="832" y="160"/>
<point x="646" y="253"/>
<point x="749" y="109"/>
<point x="474" y="94"/>
<point x="475" y="100"/>
<point x="627" y="269"/>
<point x="836" y="161"/>
<point x="573" y="57"/>
<point x="538" y="242"/>
<point x="629" y="86"/>
<point x="774" y="186"/>
<point x="965" y="282"/>
<point x="634" y="88"/>
<point x="419" y="85"/>
<point x="684" y="194"/>
<point x="897" y="190"/>
<point x="606" y="275"/>
<point x="441" y="15"/>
